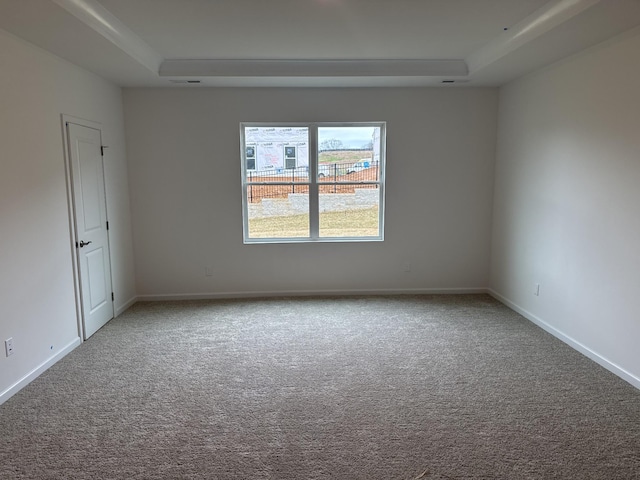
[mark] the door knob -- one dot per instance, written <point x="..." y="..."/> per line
<point x="83" y="243"/>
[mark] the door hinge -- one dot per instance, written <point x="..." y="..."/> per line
<point x="112" y="297"/>
<point x="107" y="225"/>
<point x="77" y="245"/>
<point x="102" y="147"/>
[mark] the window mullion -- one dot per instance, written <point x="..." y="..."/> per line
<point x="314" y="217"/>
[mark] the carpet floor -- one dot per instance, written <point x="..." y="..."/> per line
<point x="388" y="387"/>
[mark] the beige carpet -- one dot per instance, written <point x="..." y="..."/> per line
<point x="398" y="387"/>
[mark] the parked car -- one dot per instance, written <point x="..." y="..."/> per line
<point x="325" y="169"/>
<point x="358" y="166"/>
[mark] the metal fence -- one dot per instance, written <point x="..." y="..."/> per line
<point x="258" y="181"/>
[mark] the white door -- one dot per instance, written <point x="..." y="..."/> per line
<point x="92" y="241"/>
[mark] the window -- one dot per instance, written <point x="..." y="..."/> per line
<point x="313" y="182"/>
<point x="251" y="157"/>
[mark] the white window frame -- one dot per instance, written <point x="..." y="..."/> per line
<point x="314" y="183"/>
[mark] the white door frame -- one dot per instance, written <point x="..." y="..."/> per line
<point x="65" y="119"/>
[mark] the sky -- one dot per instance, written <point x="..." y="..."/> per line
<point x="351" y="137"/>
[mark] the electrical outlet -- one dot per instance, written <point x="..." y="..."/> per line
<point x="536" y="290"/>
<point x="407" y="267"/>
<point x="8" y="346"/>
<point x="208" y="271"/>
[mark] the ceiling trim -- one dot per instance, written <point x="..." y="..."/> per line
<point x="98" y="18"/>
<point x="546" y="19"/>
<point x="535" y="25"/>
<point x="313" y="68"/>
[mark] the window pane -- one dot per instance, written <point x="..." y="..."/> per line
<point x="277" y="154"/>
<point x="349" y="210"/>
<point x="345" y="153"/>
<point x="284" y="216"/>
<point x="279" y="191"/>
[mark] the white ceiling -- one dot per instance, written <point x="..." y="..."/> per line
<point x="315" y="42"/>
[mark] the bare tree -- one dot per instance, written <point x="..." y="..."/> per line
<point x="331" y="144"/>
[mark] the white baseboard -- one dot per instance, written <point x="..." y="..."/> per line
<point x="33" y="374"/>
<point x="310" y="293"/>
<point x="125" y="305"/>
<point x="595" y="356"/>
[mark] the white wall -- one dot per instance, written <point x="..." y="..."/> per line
<point x="37" y="306"/>
<point x="567" y="197"/>
<point x="184" y="158"/>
